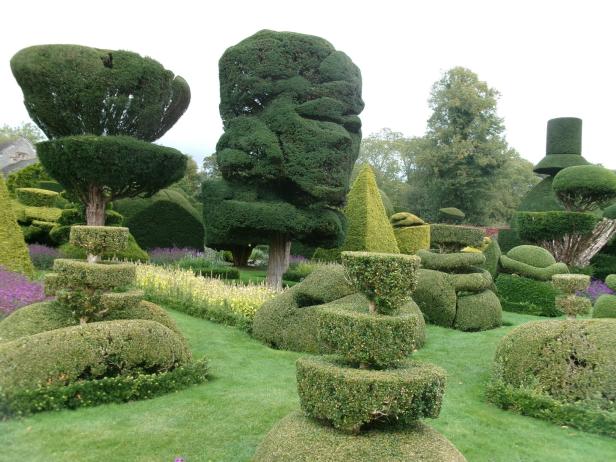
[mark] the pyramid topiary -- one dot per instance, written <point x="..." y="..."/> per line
<point x="13" y="250"/>
<point x="369" y="387"/>
<point x="368" y="228"/>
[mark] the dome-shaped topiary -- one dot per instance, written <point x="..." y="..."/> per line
<point x="532" y="255"/>
<point x="585" y="187"/>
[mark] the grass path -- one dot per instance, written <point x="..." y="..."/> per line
<point x="252" y="387"/>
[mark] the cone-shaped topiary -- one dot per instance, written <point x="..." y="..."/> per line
<point x="369" y="383"/>
<point x="13" y="250"/>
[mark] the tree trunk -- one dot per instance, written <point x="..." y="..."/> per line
<point x="279" y="250"/>
<point x="241" y="254"/>
<point x="95" y="212"/>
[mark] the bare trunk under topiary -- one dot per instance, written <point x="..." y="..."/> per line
<point x="279" y="254"/>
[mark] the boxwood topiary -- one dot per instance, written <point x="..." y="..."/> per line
<point x="492" y="252"/>
<point x="36" y="197"/>
<point x="14" y="254"/>
<point x="450" y="262"/>
<point x="605" y="307"/>
<point x="436" y="297"/>
<point x="478" y="311"/>
<point x="532" y="255"/>
<point x="412" y="238"/>
<point x="350" y="398"/>
<point x="454" y="238"/>
<point x="545" y="366"/>
<point x="99" y="240"/>
<point x="524" y="295"/>
<point x="585" y="187"/>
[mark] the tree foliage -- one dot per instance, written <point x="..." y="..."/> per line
<point x="25" y="130"/>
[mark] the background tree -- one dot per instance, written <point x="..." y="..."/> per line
<point x="466" y="144"/>
<point x="289" y="105"/>
<point x="25" y="130"/>
<point x="99" y="133"/>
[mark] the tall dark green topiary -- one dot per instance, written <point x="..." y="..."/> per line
<point x="101" y="109"/>
<point x="563" y="147"/>
<point x="289" y="105"/>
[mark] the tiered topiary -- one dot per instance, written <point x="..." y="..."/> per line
<point x="13" y="250"/>
<point x="568" y="302"/>
<point x="38" y="212"/>
<point x="562" y="371"/>
<point x="453" y="290"/>
<point x="524" y="282"/>
<point x="356" y="401"/>
<point x="133" y="351"/>
<point x="412" y="233"/>
<point x="605" y="305"/>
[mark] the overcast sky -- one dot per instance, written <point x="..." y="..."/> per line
<point x="546" y="58"/>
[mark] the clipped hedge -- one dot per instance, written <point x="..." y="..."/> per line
<point x="450" y="262"/>
<point x="14" y="254"/>
<point x="105" y="276"/>
<point x="546" y="226"/>
<point x="585" y="187"/>
<point x="99" y="240"/>
<point x="119" y="389"/>
<point x="528" y="296"/>
<point x="132" y="252"/>
<point x="605" y="307"/>
<point x="532" y="255"/>
<point x="349" y="398"/>
<point x="551" y="369"/>
<point x="67" y="355"/>
<point x="298" y="438"/>
<point x="207" y="268"/>
<point x="541" y="198"/>
<point x="436" y="297"/>
<point x="478" y="311"/>
<point x="405" y="219"/>
<point x="36" y="197"/>
<point x="455" y="237"/>
<point x="509" y="265"/>
<point x="410" y="239"/>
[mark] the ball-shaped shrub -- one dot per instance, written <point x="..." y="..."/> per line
<point x="532" y="255"/>
<point x="610" y="281"/>
<point x="604" y="307"/>
<point x="585" y="187"/>
<point x="387" y="280"/>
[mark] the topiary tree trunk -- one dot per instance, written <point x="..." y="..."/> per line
<point x="279" y="255"/>
<point x="241" y="254"/>
<point x="95" y="207"/>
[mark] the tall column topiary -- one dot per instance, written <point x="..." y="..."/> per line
<point x="369" y="387"/>
<point x="100" y="132"/>
<point x="289" y="105"/>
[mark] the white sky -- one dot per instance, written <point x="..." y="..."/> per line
<point x="547" y="58"/>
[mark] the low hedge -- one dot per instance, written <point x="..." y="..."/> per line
<point x="360" y="337"/>
<point x="298" y="438"/>
<point x="47" y="214"/>
<point x="91" y="351"/>
<point x="556" y="368"/>
<point x="605" y="307"/>
<point x="35" y="197"/>
<point x="119" y="389"/>
<point x="480" y="311"/>
<point x="528" y="296"/>
<point x="509" y="265"/>
<point x="472" y="282"/>
<point x="455" y="237"/>
<point x="349" y="398"/>
<point x="105" y="276"/>
<point x="207" y="268"/>
<point x="546" y="226"/>
<point x="450" y="262"/>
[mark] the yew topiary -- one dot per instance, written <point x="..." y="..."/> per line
<point x="14" y="254"/>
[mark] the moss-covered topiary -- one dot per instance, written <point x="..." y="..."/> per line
<point x="14" y="254"/>
<point x="450" y="262"/>
<point x="368" y="228"/>
<point x="532" y="262"/>
<point x="478" y="311"/>
<point x="532" y="255"/>
<point x="298" y="438"/>
<point x="541" y="368"/>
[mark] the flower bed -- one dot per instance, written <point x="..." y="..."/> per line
<point x="206" y="298"/>
<point x="16" y="290"/>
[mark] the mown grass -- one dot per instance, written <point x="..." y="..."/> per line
<point x="252" y="387"/>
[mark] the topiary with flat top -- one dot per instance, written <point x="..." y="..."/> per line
<point x="411" y="232"/>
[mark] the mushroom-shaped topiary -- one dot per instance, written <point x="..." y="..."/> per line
<point x="585" y="187"/>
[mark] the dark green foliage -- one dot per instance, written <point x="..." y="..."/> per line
<point x="508" y="239"/>
<point x="478" y="311"/>
<point x="27" y="177"/>
<point x="119" y="389"/>
<point x="132" y="253"/>
<point x="436" y="296"/>
<point x="361" y="337"/>
<point x="585" y="187"/>
<point x="451" y="214"/>
<point x="545" y="226"/>
<point x="605" y="307"/>
<point x="289" y="104"/>
<point x="298" y="438"/>
<point x="50" y="185"/>
<point x="509" y="265"/>
<point x="122" y="166"/>
<point x="106" y="276"/>
<point x="386" y="280"/>
<point x="570" y="362"/>
<point x="349" y="398"/>
<point x="452" y="237"/>
<point x="563" y="145"/>
<point x="14" y="254"/>
<point x="541" y="198"/>
<point x="450" y="262"/>
<point x="471" y="282"/>
<point x="166" y="219"/>
<point x="524" y="295"/>
<point x="75" y="90"/>
<point x="67" y="355"/>
<point x="610" y="212"/>
<point x="207" y="268"/>
<point x="603" y="265"/>
<point x="327" y="255"/>
<point x="36" y="197"/>
<point x="532" y="255"/>
<point x="492" y="253"/>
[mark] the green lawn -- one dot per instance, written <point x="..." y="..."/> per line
<point x="253" y="386"/>
<point x="256" y="275"/>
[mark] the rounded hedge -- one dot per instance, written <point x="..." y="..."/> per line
<point x="412" y="238"/>
<point x="36" y="197"/>
<point x="585" y="187"/>
<point x="610" y="281"/>
<point x="360" y="337"/>
<point x="436" y="297"/>
<point x="472" y="282"/>
<point x="528" y="296"/>
<point x="349" y="398"/>
<point x="479" y="311"/>
<point x="63" y="356"/>
<point x="532" y="255"/>
<point x="298" y="438"/>
<point x="605" y="307"/>
<point x="450" y="262"/>
<point x="571" y="361"/>
<point x="123" y="166"/>
<point x="509" y="265"/>
<point x="106" y="276"/>
<point x="99" y="240"/>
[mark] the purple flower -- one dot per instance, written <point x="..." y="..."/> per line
<point x="170" y="255"/>
<point x="42" y="256"/>
<point x="16" y="291"/>
<point x="596" y="288"/>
